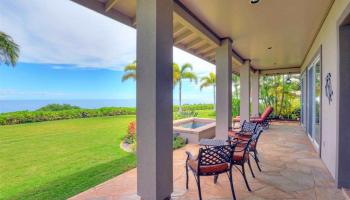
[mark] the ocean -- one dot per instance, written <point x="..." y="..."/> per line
<point x="20" y="105"/>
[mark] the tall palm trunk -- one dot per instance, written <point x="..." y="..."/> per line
<point x="180" y="103"/>
<point x="214" y="97"/>
<point x="282" y="99"/>
<point x="276" y="92"/>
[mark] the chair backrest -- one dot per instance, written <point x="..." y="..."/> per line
<point x="248" y="126"/>
<point x="266" y="113"/>
<point x="257" y="133"/>
<point x="215" y="155"/>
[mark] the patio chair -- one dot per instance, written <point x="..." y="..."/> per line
<point x="242" y="152"/>
<point x="263" y="119"/>
<point x="253" y="147"/>
<point x="211" y="162"/>
<point x="247" y="129"/>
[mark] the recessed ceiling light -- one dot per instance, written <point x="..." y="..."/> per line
<point x="254" y="1"/>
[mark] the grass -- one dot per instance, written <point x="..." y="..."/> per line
<point x="205" y="114"/>
<point x="58" y="159"/>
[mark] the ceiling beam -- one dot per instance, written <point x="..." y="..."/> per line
<point x="188" y="16"/>
<point x="195" y="42"/>
<point x="110" y="4"/>
<point x="101" y="8"/>
<point x="202" y="48"/>
<point x="208" y="51"/>
<point x="182" y="36"/>
<point x="181" y="46"/>
<point x="177" y="28"/>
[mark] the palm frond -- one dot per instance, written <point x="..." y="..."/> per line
<point x="186" y="66"/>
<point x="130" y="67"/>
<point x="204" y="85"/>
<point x="9" y="50"/>
<point x="128" y="76"/>
<point x="190" y="76"/>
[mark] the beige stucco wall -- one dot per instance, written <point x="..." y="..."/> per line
<point x="328" y="37"/>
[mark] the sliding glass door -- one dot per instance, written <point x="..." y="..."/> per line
<point x="314" y="101"/>
<point x="303" y="100"/>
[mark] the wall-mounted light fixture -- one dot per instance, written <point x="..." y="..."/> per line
<point x="254" y="1"/>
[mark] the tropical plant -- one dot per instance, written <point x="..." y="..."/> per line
<point x="181" y="73"/>
<point x="130" y="72"/>
<point x="236" y="84"/>
<point x="9" y="50"/>
<point x="209" y="81"/>
<point x="283" y="96"/>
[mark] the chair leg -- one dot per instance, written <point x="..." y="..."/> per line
<point x="231" y="184"/>
<point x="257" y="160"/>
<point x="245" y="178"/>
<point x="199" y="187"/>
<point x="216" y="177"/>
<point x="186" y="177"/>
<point x="250" y="167"/>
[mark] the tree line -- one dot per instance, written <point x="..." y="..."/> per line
<point x="279" y="91"/>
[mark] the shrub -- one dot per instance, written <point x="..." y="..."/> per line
<point x="178" y="142"/>
<point x="58" y="107"/>
<point x="187" y="107"/>
<point x="130" y="136"/>
<point x="40" y="116"/>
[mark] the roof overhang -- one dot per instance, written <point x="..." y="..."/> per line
<point x="199" y="26"/>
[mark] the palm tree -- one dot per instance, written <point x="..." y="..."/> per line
<point x="9" y="50"/>
<point x="130" y="72"/>
<point x="208" y="81"/>
<point x="185" y="72"/>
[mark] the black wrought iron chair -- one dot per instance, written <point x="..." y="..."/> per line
<point x="247" y="129"/>
<point x="241" y="154"/>
<point x="211" y="162"/>
<point x="253" y="147"/>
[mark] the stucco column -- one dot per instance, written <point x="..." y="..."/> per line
<point x="255" y="93"/>
<point x="154" y="99"/>
<point x="245" y="91"/>
<point x="223" y="88"/>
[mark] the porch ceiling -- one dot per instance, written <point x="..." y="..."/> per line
<point x="288" y="26"/>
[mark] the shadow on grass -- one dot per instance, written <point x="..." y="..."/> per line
<point x="71" y="185"/>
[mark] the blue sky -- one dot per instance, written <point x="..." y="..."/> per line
<point x="70" y="52"/>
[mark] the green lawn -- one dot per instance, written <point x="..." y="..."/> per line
<point x="58" y="159"/>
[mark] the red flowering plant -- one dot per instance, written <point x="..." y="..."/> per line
<point x="130" y="137"/>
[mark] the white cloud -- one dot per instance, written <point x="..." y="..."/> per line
<point x="62" y="32"/>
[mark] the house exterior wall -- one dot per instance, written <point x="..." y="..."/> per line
<point x="327" y="38"/>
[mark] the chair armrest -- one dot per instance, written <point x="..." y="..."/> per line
<point x="190" y="156"/>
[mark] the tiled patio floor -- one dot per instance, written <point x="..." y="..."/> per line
<point x="291" y="170"/>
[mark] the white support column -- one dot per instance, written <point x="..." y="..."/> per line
<point x="245" y="91"/>
<point x="223" y="89"/>
<point x="255" y="77"/>
<point x="154" y="99"/>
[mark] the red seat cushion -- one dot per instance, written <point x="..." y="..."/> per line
<point x="208" y="169"/>
<point x="239" y="153"/>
